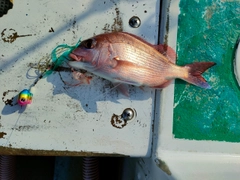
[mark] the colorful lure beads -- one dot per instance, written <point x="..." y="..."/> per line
<point x="25" y="97"/>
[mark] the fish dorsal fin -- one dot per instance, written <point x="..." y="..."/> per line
<point x="139" y="38"/>
<point x="164" y="49"/>
<point x="167" y="51"/>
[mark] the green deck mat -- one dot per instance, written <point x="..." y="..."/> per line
<point x="208" y="31"/>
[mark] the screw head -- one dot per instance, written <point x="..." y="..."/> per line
<point x="134" y="22"/>
<point x="128" y="114"/>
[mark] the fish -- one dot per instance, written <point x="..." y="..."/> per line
<point x="126" y="59"/>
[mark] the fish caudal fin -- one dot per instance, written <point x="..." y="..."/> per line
<point x="195" y="71"/>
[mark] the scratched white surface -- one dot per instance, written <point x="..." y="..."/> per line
<point x="63" y="117"/>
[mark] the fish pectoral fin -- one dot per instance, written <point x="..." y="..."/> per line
<point x="112" y="56"/>
<point x="123" y="88"/>
<point x="113" y="62"/>
<point x="123" y="64"/>
<point x="167" y="51"/>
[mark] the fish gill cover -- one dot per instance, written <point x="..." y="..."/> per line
<point x="208" y="31"/>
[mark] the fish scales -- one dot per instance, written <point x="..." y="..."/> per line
<point x="146" y="66"/>
<point x="138" y="56"/>
<point x="129" y="45"/>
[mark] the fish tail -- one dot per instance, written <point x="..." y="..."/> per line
<point x="195" y="71"/>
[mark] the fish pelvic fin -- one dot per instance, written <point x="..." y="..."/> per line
<point x="195" y="71"/>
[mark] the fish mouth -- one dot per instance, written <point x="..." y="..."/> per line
<point x="76" y="61"/>
<point x="75" y="57"/>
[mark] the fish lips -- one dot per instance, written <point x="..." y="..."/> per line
<point x="79" y="63"/>
<point x="75" y="61"/>
<point x="75" y="57"/>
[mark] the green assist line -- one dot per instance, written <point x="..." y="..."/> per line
<point x="58" y="60"/>
<point x="58" y="56"/>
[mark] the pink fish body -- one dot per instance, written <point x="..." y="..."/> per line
<point x="123" y="58"/>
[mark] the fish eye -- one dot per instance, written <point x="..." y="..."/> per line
<point x="89" y="44"/>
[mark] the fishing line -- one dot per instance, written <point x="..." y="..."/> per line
<point x="14" y="127"/>
<point x="45" y="69"/>
<point x="200" y="32"/>
<point x="61" y="54"/>
<point x="227" y="20"/>
<point x="109" y="90"/>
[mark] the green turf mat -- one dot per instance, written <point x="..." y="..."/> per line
<point x="208" y="31"/>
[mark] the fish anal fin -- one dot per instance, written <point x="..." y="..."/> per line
<point x="142" y="88"/>
<point x="123" y="88"/>
<point x="167" y="51"/>
<point x="162" y="85"/>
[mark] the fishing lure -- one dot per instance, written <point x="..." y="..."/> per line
<point x="25" y="97"/>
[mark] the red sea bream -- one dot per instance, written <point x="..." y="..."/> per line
<point x="124" y="58"/>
